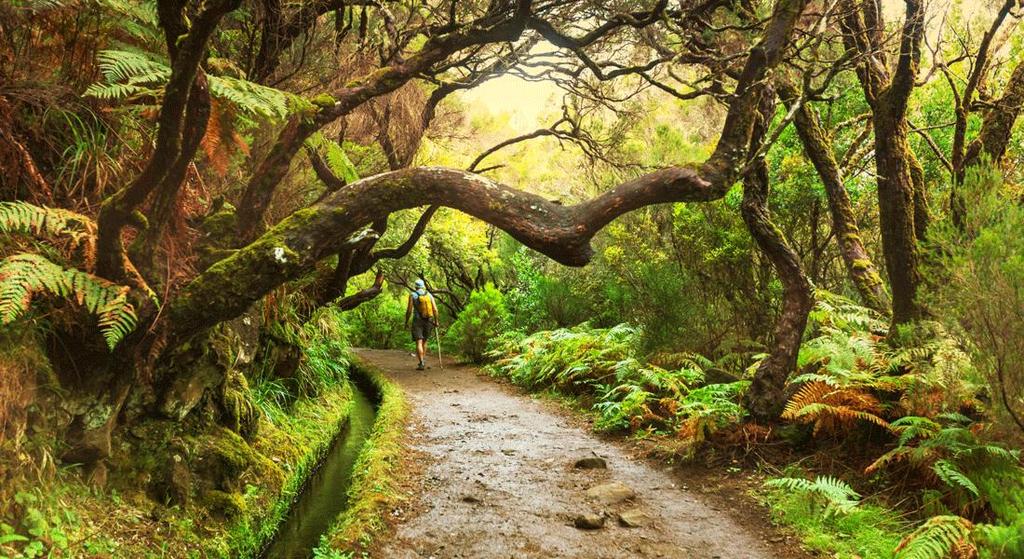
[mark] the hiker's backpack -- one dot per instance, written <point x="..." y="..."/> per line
<point x="423" y="303"/>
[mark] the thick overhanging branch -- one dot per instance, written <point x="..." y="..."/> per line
<point x="563" y="233"/>
<point x="294" y="246"/>
<point x="510" y="27"/>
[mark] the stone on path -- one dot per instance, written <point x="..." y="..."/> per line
<point x="634" y="518"/>
<point x="591" y="463"/>
<point x="589" y="521"/>
<point x="611" y="493"/>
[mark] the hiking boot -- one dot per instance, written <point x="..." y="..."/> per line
<point x="420" y="367"/>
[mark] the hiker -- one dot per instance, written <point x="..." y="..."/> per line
<point x="421" y="304"/>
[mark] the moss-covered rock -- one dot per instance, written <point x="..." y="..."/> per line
<point x="221" y="457"/>
<point x="223" y="504"/>
<point x="240" y="413"/>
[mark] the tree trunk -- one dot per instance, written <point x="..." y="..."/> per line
<point x="897" y="206"/>
<point x="818" y="147"/>
<point x="766" y="396"/>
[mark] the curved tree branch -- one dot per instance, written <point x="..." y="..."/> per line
<point x="563" y="233"/>
<point x="352" y="301"/>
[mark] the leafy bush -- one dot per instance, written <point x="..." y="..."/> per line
<point x="627" y="392"/>
<point x="484" y="318"/>
<point x="573" y="360"/>
<point x="379" y="323"/>
<point x="978" y="281"/>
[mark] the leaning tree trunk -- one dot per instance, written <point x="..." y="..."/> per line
<point x="818" y="147"/>
<point x="766" y="396"/>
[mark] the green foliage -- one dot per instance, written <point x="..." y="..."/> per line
<point x="978" y="281"/>
<point x="569" y="359"/>
<point x="1000" y="541"/>
<point x="130" y="74"/>
<point x="863" y="531"/>
<point x="378" y="323"/>
<point x="39" y="221"/>
<point x="974" y="473"/>
<point x="846" y="366"/>
<point x="484" y="318"/>
<point x="938" y="538"/>
<point x="24" y="276"/>
<point x="335" y="157"/>
<point x="325" y="354"/>
<point x="834" y="495"/>
<point x="627" y="393"/>
<point x="43" y="529"/>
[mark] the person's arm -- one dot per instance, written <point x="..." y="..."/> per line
<point x="408" y="311"/>
<point x="433" y="303"/>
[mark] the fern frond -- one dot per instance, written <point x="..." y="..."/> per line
<point x="938" y="538"/>
<point x="25" y="275"/>
<point x="335" y="156"/>
<point x="810" y="393"/>
<point x="41" y="221"/>
<point x="836" y="493"/>
<point x="129" y="73"/>
<point x="953" y="477"/>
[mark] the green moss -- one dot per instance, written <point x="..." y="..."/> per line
<point x="377" y="472"/>
<point x="222" y="457"/>
<point x="861" y="265"/>
<point x="139" y="220"/>
<point x="224" y="504"/>
<point x="241" y="414"/>
<point x="323" y="100"/>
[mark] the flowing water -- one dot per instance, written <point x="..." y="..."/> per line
<point x="325" y="494"/>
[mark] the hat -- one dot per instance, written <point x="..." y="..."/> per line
<point x="420" y="284"/>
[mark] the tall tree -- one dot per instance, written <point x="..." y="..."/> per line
<point x="902" y="200"/>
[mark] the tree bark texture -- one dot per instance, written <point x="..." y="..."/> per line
<point x="817" y="145"/>
<point x="766" y="396"/>
<point x="902" y="200"/>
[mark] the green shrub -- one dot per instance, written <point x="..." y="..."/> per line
<point x="379" y="323"/>
<point x="484" y="318"/>
<point x="603" y="366"/>
<point x="977" y="280"/>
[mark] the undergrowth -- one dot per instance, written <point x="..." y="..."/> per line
<point x="625" y="391"/>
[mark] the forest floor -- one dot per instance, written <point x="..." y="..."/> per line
<point x="494" y="476"/>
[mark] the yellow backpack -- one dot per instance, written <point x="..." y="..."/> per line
<point x="424" y="304"/>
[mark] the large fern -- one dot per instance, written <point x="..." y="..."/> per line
<point x="25" y="276"/>
<point x="40" y="221"/>
<point x="830" y="409"/>
<point x="836" y="495"/>
<point x="131" y="74"/>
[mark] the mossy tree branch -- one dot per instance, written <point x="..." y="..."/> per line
<point x="563" y="233"/>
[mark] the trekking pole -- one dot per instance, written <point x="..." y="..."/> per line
<point x="437" y="336"/>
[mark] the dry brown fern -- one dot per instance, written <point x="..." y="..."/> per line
<point x="830" y="409"/>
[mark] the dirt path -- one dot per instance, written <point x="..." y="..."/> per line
<point x="499" y="482"/>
